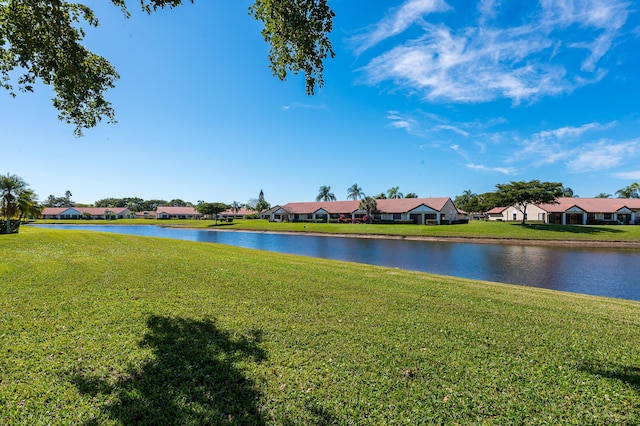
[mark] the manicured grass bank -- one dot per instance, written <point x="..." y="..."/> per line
<point x="114" y="329"/>
<point x="474" y="229"/>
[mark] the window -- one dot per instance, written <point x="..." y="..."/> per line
<point x="397" y="216"/>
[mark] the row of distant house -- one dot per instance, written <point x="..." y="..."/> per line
<point x="416" y="210"/>
<point x="580" y="211"/>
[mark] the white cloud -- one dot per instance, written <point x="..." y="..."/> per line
<point x="423" y="124"/>
<point x="484" y="62"/>
<point x="482" y="168"/>
<point x="553" y="146"/>
<point x="633" y="175"/>
<point x="602" y="155"/>
<point x="451" y="128"/>
<point x="398" y="20"/>
<point x="571" y="131"/>
<point x="461" y="152"/>
<point x="297" y="105"/>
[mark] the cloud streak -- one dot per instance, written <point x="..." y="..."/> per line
<point x="486" y="61"/>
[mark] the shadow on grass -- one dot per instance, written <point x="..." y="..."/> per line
<point x="220" y="224"/>
<point x="192" y="378"/>
<point x="572" y="229"/>
<point x="624" y="373"/>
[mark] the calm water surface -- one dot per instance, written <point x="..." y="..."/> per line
<point x="602" y="272"/>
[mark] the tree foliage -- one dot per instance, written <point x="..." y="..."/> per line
<point x="325" y="194"/>
<point x="520" y="194"/>
<point x="370" y="205"/>
<point x="354" y="192"/>
<point x="134" y="204"/>
<point x="211" y="209"/>
<point x="394" y="193"/>
<point x="297" y="32"/>
<point x="63" y="201"/>
<point x="42" y="41"/>
<point x="468" y="201"/>
<point x="631" y="191"/>
<point x="262" y="204"/>
<point x="16" y="201"/>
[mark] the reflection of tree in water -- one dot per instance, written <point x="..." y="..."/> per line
<point x="192" y="378"/>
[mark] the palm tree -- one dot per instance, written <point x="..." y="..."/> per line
<point x="11" y="187"/>
<point x="325" y="194"/>
<point x="28" y="205"/>
<point x="235" y="206"/>
<point x="354" y="192"/>
<point x="631" y="191"/>
<point x="411" y="195"/>
<point x="370" y="205"/>
<point x="67" y="199"/>
<point x="603" y="195"/>
<point x="394" y="192"/>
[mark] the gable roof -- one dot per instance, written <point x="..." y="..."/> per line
<point x="496" y="210"/>
<point x="55" y="211"/>
<point x="93" y="211"/>
<point x="396" y="205"/>
<point x="592" y="205"/>
<point x="170" y="210"/>
<point x="404" y="205"/>
<point x="332" y="207"/>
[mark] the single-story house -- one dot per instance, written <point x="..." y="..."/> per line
<point x="274" y="214"/>
<point x="585" y="211"/>
<point x="145" y="215"/>
<point x="169" y="212"/>
<point x="416" y="210"/>
<point x="60" y="213"/>
<point x="575" y="211"/>
<point x="238" y="214"/>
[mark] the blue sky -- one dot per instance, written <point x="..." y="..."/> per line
<point x="433" y="96"/>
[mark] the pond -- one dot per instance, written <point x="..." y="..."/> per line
<point x="596" y="271"/>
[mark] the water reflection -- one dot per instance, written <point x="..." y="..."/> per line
<point x="604" y="272"/>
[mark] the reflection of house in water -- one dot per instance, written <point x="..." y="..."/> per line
<point x="575" y="211"/>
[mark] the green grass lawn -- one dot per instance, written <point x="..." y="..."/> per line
<point x="113" y="329"/>
<point x="474" y="229"/>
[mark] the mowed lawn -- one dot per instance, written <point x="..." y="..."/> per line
<point x="114" y="329"/>
<point x="473" y="229"/>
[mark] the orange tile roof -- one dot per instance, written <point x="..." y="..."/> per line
<point x="592" y="205"/>
<point x="94" y="211"/>
<point x="398" y="205"/>
<point x="496" y="210"/>
<point x="335" y="207"/>
<point x="177" y="210"/>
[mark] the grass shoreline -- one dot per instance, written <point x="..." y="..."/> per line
<point x="475" y="232"/>
<point x="102" y="328"/>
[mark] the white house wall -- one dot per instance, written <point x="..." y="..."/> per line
<point x="534" y="213"/>
<point x="449" y="211"/>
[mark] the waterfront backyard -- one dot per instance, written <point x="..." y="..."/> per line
<point x="488" y="230"/>
<point x="116" y="329"/>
